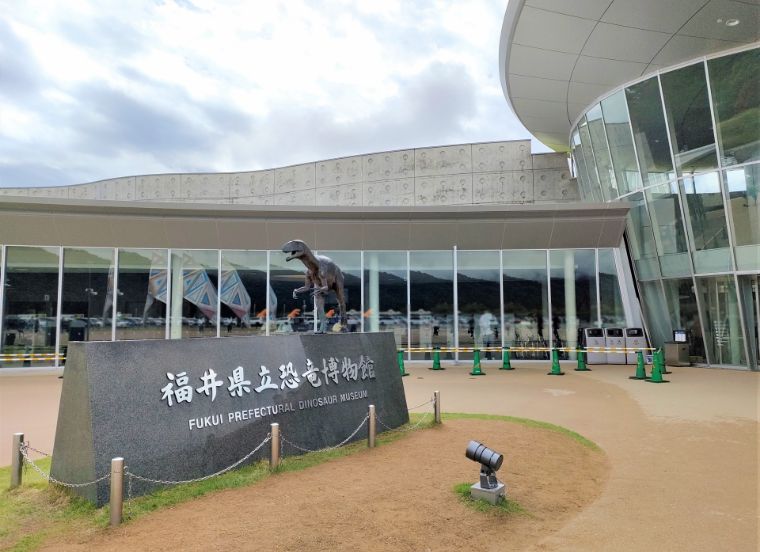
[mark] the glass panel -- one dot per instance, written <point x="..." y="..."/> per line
<point x="194" y="296"/>
<point x="725" y="342"/>
<point x="748" y="257"/>
<point x="432" y="300"/>
<point x="602" y="153"/>
<point x="385" y="294"/>
<point x="648" y="123"/>
<point x="31" y="303"/>
<point x="573" y="291"/>
<point x="141" y="298"/>
<point x="589" y="193"/>
<point x="526" y="301"/>
<point x="736" y="101"/>
<point x="243" y="293"/>
<point x="667" y="223"/>
<point x="479" y="301"/>
<point x="621" y="146"/>
<point x="688" y="111"/>
<point x="613" y="312"/>
<point x="87" y="299"/>
<point x="656" y="313"/>
<point x="743" y="190"/>
<point x="641" y="238"/>
<point x="350" y="264"/>
<point x="290" y="315"/>
<point x="706" y="220"/>
<point x="588" y="155"/>
<point x="684" y="315"/>
<point x="749" y="292"/>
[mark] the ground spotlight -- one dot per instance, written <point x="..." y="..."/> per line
<point x="488" y="488"/>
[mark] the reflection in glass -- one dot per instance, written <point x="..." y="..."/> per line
<point x="243" y="293"/>
<point x="736" y="101"/>
<point x="588" y="154"/>
<point x="648" y="123"/>
<point x="640" y="238"/>
<point x="611" y="302"/>
<point x="194" y="298"/>
<point x="725" y="343"/>
<point x="385" y="294"/>
<point x="682" y="307"/>
<point x="621" y="146"/>
<point x="479" y="297"/>
<point x="31" y="302"/>
<point x="669" y="234"/>
<point x="87" y="298"/>
<point x="687" y="108"/>
<point x="602" y="153"/>
<point x="288" y="314"/>
<point x="526" y="301"/>
<point x="350" y="264"/>
<point x="656" y="313"/>
<point x="432" y="299"/>
<point x="588" y="192"/>
<point x="141" y="297"/>
<point x="573" y="293"/>
<point x="706" y="220"/>
<point x="743" y="191"/>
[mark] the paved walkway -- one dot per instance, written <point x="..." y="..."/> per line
<point x="684" y="455"/>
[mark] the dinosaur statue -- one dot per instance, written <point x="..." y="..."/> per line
<point x="322" y="275"/>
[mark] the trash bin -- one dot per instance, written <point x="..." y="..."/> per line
<point x="634" y="339"/>
<point x="594" y="337"/>
<point x="614" y="339"/>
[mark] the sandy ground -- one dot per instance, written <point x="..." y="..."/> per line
<point x="683" y="471"/>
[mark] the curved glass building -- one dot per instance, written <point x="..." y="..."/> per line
<point x="660" y="103"/>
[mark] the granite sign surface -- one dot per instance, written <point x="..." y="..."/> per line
<point x="183" y="409"/>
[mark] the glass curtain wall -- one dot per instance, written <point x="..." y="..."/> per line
<point x="667" y="223"/>
<point x="618" y="130"/>
<point x="684" y="315"/>
<point x="385" y="287"/>
<point x="30" y="306"/>
<point x="604" y="167"/>
<point x="431" y="289"/>
<point x="723" y="332"/>
<point x="573" y="295"/>
<point x="743" y="192"/>
<point x="610" y="300"/>
<point x="479" y="298"/>
<point x="141" y="296"/>
<point x="243" y="293"/>
<point x="87" y="295"/>
<point x="526" y="302"/>
<point x="706" y="221"/>
<point x="194" y="299"/>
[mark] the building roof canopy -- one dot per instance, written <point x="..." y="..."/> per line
<point x="557" y="56"/>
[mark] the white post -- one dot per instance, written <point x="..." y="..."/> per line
<point x="274" y="454"/>
<point x="437" y="406"/>
<point x="372" y="427"/>
<point x="17" y="461"/>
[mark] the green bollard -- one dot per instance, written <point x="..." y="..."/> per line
<point x="582" y="362"/>
<point x="401" y="363"/>
<point x="657" y="363"/>
<point x="437" y="359"/>
<point x="505" y="362"/>
<point x="476" y="370"/>
<point x="641" y="370"/>
<point x="556" y="371"/>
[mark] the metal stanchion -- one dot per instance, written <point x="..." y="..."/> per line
<point x="17" y="461"/>
<point x="372" y="427"/>
<point x="274" y="455"/>
<point x="437" y="406"/>
<point x="117" y="490"/>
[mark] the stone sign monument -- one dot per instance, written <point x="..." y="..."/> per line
<point x="182" y="409"/>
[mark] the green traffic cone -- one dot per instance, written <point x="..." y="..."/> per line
<point x="437" y="359"/>
<point x="663" y="366"/>
<point x="582" y="362"/>
<point x="657" y="363"/>
<point x="476" y="371"/>
<point x="505" y="363"/>
<point x="401" y="363"/>
<point x="556" y="371"/>
<point x="641" y="371"/>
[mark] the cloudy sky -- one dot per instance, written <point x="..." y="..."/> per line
<point x="101" y="89"/>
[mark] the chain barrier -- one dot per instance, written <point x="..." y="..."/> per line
<point x="404" y="430"/>
<point x="29" y="447"/>
<point x="430" y="401"/>
<point x="24" y="449"/>
<point x="333" y="447"/>
<point x="198" y="479"/>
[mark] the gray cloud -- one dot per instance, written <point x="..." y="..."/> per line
<point x="18" y="68"/>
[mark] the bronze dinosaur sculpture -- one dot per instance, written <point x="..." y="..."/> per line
<point x="321" y="276"/>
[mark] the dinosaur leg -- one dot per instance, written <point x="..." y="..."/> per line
<point x="319" y="303"/>
<point x="342" y="307"/>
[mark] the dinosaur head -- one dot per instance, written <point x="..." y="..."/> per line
<point x="295" y="248"/>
